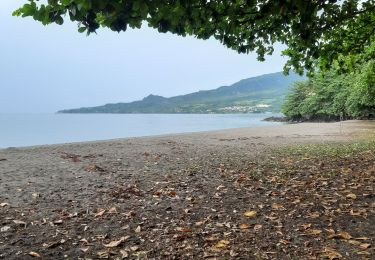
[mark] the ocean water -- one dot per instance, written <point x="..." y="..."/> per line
<point x="18" y="130"/>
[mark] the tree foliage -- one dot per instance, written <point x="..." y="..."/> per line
<point x="327" y="30"/>
<point x="329" y="96"/>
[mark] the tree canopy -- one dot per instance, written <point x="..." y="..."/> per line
<point x="330" y="96"/>
<point x="317" y="32"/>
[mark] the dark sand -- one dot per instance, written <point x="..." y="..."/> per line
<point x="161" y="184"/>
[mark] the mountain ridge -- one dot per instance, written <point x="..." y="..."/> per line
<point x="263" y="93"/>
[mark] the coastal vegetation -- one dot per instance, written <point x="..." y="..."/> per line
<point x="334" y="96"/>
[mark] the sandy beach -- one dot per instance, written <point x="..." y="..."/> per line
<point x="162" y="197"/>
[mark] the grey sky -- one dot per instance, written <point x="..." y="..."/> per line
<point x="44" y="69"/>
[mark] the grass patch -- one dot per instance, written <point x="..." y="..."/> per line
<point x="327" y="150"/>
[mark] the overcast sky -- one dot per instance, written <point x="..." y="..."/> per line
<point x="47" y="68"/>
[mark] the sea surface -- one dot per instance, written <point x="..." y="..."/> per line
<point x="18" y="130"/>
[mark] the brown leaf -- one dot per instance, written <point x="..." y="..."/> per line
<point x="364" y="245"/>
<point x="363" y="253"/>
<point x="112" y="210"/>
<point x="211" y="238"/>
<point x="138" y="229"/>
<point x="313" y="231"/>
<point x="199" y="223"/>
<point x="19" y="222"/>
<point x="306" y="226"/>
<point x="283" y="241"/>
<point x="84" y="240"/>
<point x="341" y="235"/>
<point x="244" y="226"/>
<point x="250" y="214"/>
<point x="222" y="244"/>
<point x="362" y="238"/>
<point x="34" y="254"/>
<point x="94" y="168"/>
<point x="354" y="242"/>
<point x="134" y="248"/>
<point x="103" y="254"/>
<point x="116" y="242"/>
<point x="84" y="249"/>
<point x="124" y="253"/>
<point x="184" y="230"/>
<point x="351" y="196"/>
<point x="100" y="213"/>
<point x="257" y="227"/>
<point x="332" y="254"/>
<point x="172" y="193"/>
<point x="51" y="244"/>
<point x="277" y="206"/>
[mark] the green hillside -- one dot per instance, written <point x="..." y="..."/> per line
<point x="257" y="94"/>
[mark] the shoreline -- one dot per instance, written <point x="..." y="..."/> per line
<point x="271" y="130"/>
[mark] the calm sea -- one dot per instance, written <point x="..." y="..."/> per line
<point x="37" y="129"/>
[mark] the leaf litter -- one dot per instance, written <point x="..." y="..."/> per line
<point x="281" y="206"/>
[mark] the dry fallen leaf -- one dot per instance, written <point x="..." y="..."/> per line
<point x="284" y="242"/>
<point x="365" y="245"/>
<point x="84" y="249"/>
<point x="4" y="204"/>
<point x="124" y="253"/>
<point x="134" y="248"/>
<point x="313" y="231"/>
<point x="35" y="195"/>
<point x="84" y="240"/>
<point x="116" y="242"/>
<point x="244" y="226"/>
<point x="94" y="168"/>
<point x="34" y="254"/>
<point x="257" y="227"/>
<point x="222" y="244"/>
<point x="341" y="235"/>
<point x="362" y="238"/>
<point x="250" y="214"/>
<point x="19" y="222"/>
<point x="185" y="230"/>
<point x="51" y="244"/>
<point x="351" y="196"/>
<point x="172" y="194"/>
<point x="112" y="210"/>
<point x="102" y="254"/>
<point x="277" y="206"/>
<point x="138" y="229"/>
<point x="363" y="253"/>
<point x="211" y="238"/>
<point x="4" y="228"/>
<point x="332" y="254"/>
<point x="100" y="213"/>
<point x="354" y="242"/>
<point x="306" y="226"/>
